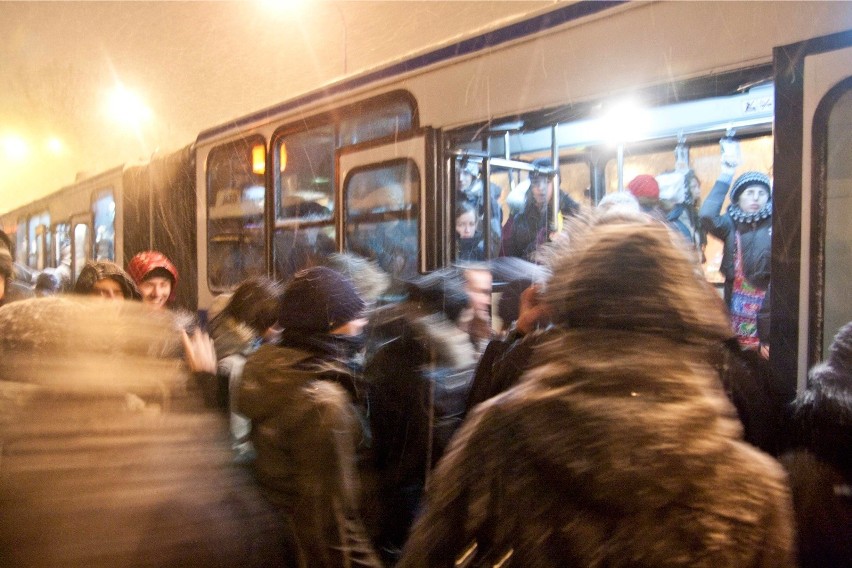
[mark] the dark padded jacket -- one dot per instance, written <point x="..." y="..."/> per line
<point x="756" y="239"/>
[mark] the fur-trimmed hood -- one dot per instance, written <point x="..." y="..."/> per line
<point x="231" y="337"/>
<point x="610" y="452"/>
<point x="618" y="447"/>
<point x="435" y="333"/>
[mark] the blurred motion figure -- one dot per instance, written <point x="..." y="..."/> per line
<point x="617" y="447"/>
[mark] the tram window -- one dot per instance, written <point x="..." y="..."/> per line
<point x="705" y="162"/>
<point x="234" y="257"/>
<point x="382" y="120"/>
<point x="382" y="207"/>
<point x="62" y="251"/>
<point x="42" y="246"/>
<point x="33" y="224"/>
<point x="837" y="308"/>
<point x="235" y="203"/>
<point x="21" y="241"/>
<point x="81" y="239"/>
<point x="303" y="186"/>
<point x="103" y="210"/>
<point x="298" y="247"/>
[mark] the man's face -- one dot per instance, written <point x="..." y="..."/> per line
<point x="465" y="179"/>
<point x="478" y="285"/>
<point x="108" y="289"/>
<point x="753" y="198"/>
<point x="156" y="291"/>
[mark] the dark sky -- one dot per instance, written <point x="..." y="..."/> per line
<point x="193" y="64"/>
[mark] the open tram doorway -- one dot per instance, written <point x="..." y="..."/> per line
<point x="670" y="151"/>
<point x="592" y="151"/>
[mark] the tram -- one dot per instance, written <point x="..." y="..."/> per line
<point x="371" y="164"/>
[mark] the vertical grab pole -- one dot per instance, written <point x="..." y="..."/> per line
<point x="486" y="196"/>
<point x="620" y="163"/>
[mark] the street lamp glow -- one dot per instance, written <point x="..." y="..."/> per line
<point x="127" y="107"/>
<point x="15" y="148"/>
<point x="55" y="146"/>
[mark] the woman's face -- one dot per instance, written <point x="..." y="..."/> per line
<point x="156" y="291"/>
<point x="695" y="189"/>
<point x="753" y="198"/>
<point x="466" y="225"/>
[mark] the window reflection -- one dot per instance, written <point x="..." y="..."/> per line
<point x="235" y="202"/>
<point x="838" y="233"/>
<point x="382" y="204"/>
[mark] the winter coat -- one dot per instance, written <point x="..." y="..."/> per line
<point x="418" y="387"/>
<point x="618" y="446"/>
<point x="579" y="466"/>
<point x="304" y="429"/>
<point x="528" y="229"/>
<point x="820" y="467"/>
<point x="755" y="238"/>
<point x="234" y="342"/>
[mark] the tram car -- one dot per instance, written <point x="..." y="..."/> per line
<point x="372" y="164"/>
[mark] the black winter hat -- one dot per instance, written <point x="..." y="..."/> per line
<point x="319" y="299"/>
<point x="747" y="179"/>
<point x="840" y="352"/>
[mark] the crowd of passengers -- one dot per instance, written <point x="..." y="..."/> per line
<point x="611" y="415"/>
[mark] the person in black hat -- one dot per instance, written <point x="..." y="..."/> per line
<point x="300" y="396"/>
<point x="746" y="231"/>
<point x="529" y="228"/>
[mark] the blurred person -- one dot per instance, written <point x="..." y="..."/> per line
<point x="155" y="276"/>
<point x="476" y="319"/>
<point x="5" y="273"/>
<point x="617" y="446"/>
<point x="369" y="279"/>
<point x="247" y="320"/>
<point x="418" y="384"/>
<point x="300" y="396"/>
<point x="680" y="197"/>
<point x="819" y="462"/>
<point x="107" y="280"/>
<point x="47" y="284"/>
<point x="16" y="286"/>
<point x="746" y="232"/>
<point x="530" y="228"/>
<point x="108" y="459"/>
<point x="621" y="200"/>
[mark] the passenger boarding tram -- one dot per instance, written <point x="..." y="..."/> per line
<point x="371" y="164"/>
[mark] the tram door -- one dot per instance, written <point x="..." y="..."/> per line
<point x="811" y="301"/>
<point x="388" y="196"/>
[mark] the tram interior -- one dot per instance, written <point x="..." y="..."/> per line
<point x="599" y="155"/>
